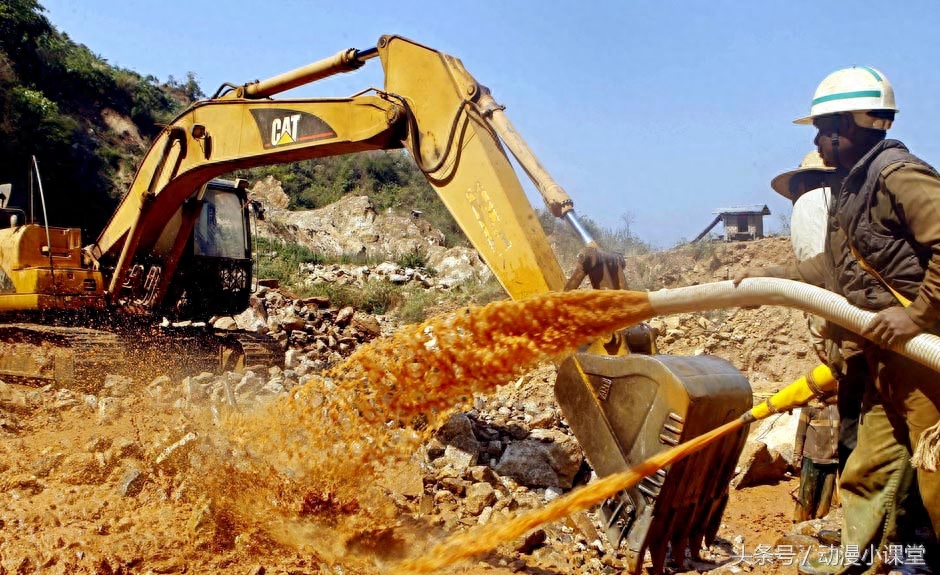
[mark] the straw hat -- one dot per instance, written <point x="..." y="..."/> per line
<point x="812" y="162"/>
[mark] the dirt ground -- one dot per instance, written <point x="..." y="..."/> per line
<point x="121" y="493"/>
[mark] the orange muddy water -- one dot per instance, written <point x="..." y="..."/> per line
<point x="308" y="467"/>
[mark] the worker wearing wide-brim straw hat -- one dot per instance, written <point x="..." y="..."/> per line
<point x="809" y="188"/>
<point x="821" y="444"/>
<point x="812" y="174"/>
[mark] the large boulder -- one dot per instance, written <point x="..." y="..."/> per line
<point x="270" y="193"/>
<point x="351" y="225"/>
<point x="768" y="453"/>
<point x="548" y="459"/>
<point x="456" y="265"/>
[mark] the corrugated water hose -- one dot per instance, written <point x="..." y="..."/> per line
<point x="924" y="348"/>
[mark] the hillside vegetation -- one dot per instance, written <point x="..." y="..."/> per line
<point x="85" y="121"/>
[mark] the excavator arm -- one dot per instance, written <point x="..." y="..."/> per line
<point x="430" y="105"/>
<point x="215" y="137"/>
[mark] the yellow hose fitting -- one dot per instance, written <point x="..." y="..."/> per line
<point x="819" y="381"/>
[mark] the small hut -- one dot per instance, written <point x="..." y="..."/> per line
<point x="741" y="223"/>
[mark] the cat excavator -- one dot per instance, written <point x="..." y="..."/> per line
<point x="622" y="400"/>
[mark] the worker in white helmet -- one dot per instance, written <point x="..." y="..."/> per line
<point x="883" y="255"/>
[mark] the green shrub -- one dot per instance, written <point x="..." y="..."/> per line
<point x="356" y="259"/>
<point x="416" y="306"/>
<point x="279" y="260"/>
<point x="476" y="292"/>
<point x="415" y="259"/>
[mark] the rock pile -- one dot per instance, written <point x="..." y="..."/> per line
<point x="314" y="334"/>
<point x="445" y="269"/>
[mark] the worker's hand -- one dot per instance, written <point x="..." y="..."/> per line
<point x="748" y="273"/>
<point x="891" y="327"/>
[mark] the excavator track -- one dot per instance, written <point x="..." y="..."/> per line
<point x="252" y="349"/>
<point x="80" y="358"/>
<point x="69" y="356"/>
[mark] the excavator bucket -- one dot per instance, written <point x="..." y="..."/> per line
<point x="625" y="409"/>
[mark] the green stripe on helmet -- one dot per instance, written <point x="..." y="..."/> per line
<point x="872" y="71"/>
<point x="847" y="95"/>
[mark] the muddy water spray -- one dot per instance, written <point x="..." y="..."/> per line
<point x="308" y="468"/>
<point x="305" y="469"/>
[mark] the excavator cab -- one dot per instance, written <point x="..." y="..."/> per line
<point x="215" y="272"/>
<point x="9" y="217"/>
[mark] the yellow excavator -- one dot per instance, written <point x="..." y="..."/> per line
<point x="149" y="260"/>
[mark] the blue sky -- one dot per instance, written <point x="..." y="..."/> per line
<point x="657" y="111"/>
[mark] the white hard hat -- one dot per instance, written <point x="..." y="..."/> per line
<point x="812" y="162"/>
<point x="858" y="90"/>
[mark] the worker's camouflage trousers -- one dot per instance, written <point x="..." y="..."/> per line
<point x="817" y="487"/>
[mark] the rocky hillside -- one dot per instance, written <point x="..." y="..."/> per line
<point x="352" y="227"/>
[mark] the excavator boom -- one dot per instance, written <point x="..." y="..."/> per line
<point x="430" y="105"/>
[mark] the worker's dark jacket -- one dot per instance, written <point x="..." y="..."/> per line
<point x="817" y="434"/>
<point x="889" y="208"/>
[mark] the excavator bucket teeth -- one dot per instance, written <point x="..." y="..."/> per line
<point x="624" y="410"/>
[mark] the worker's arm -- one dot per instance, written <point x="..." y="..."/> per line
<point x="811" y="270"/>
<point x="814" y="270"/>
<point x="788" y="272"/>
<point x="915" y="193"/>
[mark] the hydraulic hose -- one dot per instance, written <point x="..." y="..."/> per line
<point x="923" y="348"/>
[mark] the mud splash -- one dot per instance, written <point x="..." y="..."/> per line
<point x="306" y="471"/>
<point x="489" y="536"/>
